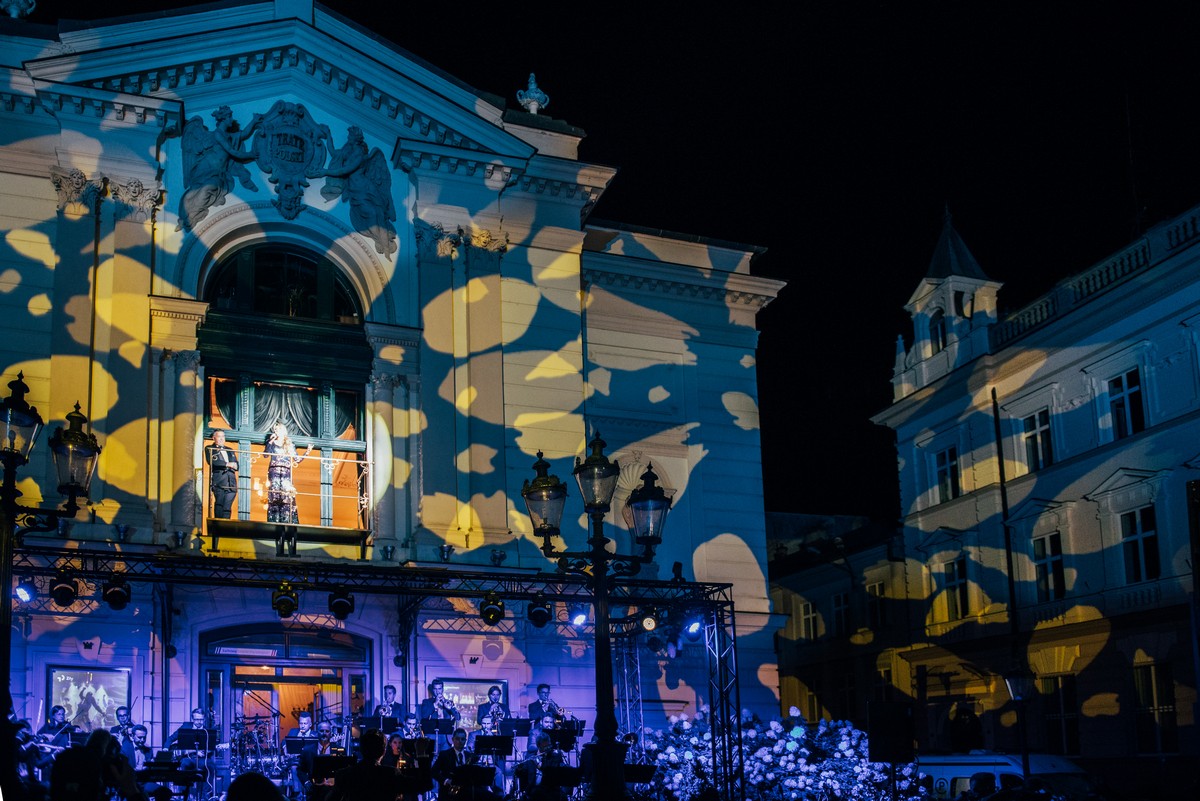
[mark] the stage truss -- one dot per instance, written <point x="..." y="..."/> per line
<point x="413" y="586"/>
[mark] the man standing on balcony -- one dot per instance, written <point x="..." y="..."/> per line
<point x="224" y="481"/>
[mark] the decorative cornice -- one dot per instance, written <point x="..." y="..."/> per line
<point x="75" y="189"/>
<point x="413" y="155"/>
<point x="282" y="59"/>
<point x="59" y="99"/>
<point x="720" y="293"/>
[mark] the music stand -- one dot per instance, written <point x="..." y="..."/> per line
<point x="494" y="745"/>
<point x="516" y="727"/>
<point x="438" y="726"/>
<point x="195" y="740"/>
<point x="385" y="724"/>
<point x="562" y="739"/>
<point x="294" y="746"/>
<point x="574" y="725"/>
<point x="562" y="776"/>
<point x="417" y="747"/>
<point x="325" y="766"/>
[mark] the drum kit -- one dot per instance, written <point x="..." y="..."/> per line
<point x="254" y="746"/>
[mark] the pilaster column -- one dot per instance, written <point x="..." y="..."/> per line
<point x="186" y="506"/>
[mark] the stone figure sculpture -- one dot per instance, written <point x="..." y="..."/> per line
<point x="212" y="160"/>
<point x="362" y="178"/>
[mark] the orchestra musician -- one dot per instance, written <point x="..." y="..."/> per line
<point x="137" y="753"/>
<point x="545" y="705"/>
<point x="412" y="727"/>
<point x="393" y="757"/>
<point x="546" y="723"/>
<point x="455" y="756"/>
<point x="493" y="708"/>
<point x="389" y="707"/>
<point x="124" y="728"/>
<point x="304" y="727"/>
<point x="57" y="732"/>
<point x="198" y="759"/>
<point x="529" y="774"/>
<point x="302" y="772"/>
<point x="368" y="780"/>
<point x="439" y="706"/>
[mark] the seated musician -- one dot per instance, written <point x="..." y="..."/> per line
<point x="544" y="723"/>
<point x="57" y="732"/>
<point x="302" y="780"/>
<point x="197" y="755"/>
<point x="368" y="780"/>
<point x="304" y="727"/>
<point x="124" y="728"/>
<point x="454" y="756"/>
<point x="529" y="774"/>
<point x="412" y="727"/>
<point x="393" y="757"/>
<point x="137" y="753"/>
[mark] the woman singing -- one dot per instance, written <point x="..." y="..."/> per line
<point x="281" y="492"/>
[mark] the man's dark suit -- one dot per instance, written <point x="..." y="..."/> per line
<point x="224" y="481"/>
<point x="448" y="760"/>
<point x="366" y="782"/>
<point x="538" y="710"/>
<point x="486" y="709"/>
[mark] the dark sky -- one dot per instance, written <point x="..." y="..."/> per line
<point x="835" y="134"/>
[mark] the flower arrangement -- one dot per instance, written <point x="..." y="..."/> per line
<point x="785" y="760"/>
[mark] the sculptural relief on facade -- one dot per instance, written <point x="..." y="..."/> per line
<point x="75" y="188"/>
<point x="212" y="160"/>
<point x="362" y="178"/>
<point x="292" y="149"/>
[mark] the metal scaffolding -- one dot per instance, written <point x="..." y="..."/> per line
<point x="629" y="686"/>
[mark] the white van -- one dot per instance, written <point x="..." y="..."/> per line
<point x="950" y="774"/>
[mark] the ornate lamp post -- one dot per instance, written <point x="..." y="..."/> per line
<point x="649" y="504"/>
<point x="75" y="453"/>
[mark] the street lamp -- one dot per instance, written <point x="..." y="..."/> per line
<point x="75" y="453"/>
<point x="1020" y="689"/>
<point x="545" y="497"/>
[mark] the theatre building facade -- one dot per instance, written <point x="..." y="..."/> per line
<point x="386" y="291"/>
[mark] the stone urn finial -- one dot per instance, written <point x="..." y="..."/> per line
<point x="533" y="98"/>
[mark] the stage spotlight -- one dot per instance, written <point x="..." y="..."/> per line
<point x="693" y="629"/>
<point x="492" y="609"/>
<point x="649" y="620"/>
<point x="539" y="612"/>
<point x="63" y="589"/>
<point x="578" y="615"/>
<point x="26" y="590"/>
<point x="656" y="641"/>
<point x="116" y="593"/>
<point x="285" y="600"/>
<point x="341" y="603"/>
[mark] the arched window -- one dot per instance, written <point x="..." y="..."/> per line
<point x="283" y="342"/>
<point x="937" y="332"/>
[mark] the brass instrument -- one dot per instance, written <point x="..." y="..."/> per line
<point x="444" y="704"/>
<point x="497" y="713"/>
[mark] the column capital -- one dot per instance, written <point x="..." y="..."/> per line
<point x="75" y="189"/>
<point x="134" y="199"/>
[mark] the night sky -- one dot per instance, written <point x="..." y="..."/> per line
<point x="836" y="134"/>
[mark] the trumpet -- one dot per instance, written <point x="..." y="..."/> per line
<point x="497" y="713"/>
<point x="444" y="704"/>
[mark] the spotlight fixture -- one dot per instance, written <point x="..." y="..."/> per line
<point x="492" y="609"/>
<point x="693" y="629"/>
<point x="26" y="590"/>
<point x="285" y="600"/>
<point x="341" y="603"/>
<point x="539" y="612"/>
<point x="116" y="592"/>
<point x="578" y="615"/>
<point x="652" y="618"/>
<point x="63" y="589"/>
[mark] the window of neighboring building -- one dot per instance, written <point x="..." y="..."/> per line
<point x="1125" y="404"/>
<point x="1048" y="567"/>
<point x="1039" y="450"/>
<point x="1154" y="709"/>
<point x="954" y="578"/>
<point x="840" y="619"/>
<point x="876" y="611"/>
<point x="946" y="473"/>
<point x="808" y="621"/>
<point x="812" y="704"/>
<point x="1060" y="711"/>
<point x="1139" y="545"/>
<point x="937" y="331"/>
